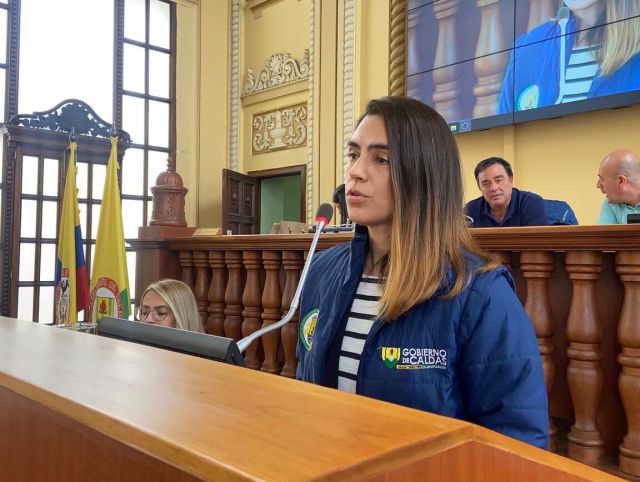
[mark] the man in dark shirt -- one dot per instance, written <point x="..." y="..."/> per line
<point x="501" y="204"/>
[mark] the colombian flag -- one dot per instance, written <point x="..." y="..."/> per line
<point x="71" y="286"/>
<point x="110" y="295"/>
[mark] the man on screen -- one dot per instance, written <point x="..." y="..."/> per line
<point x="501" y="204"/>
<point x="619" y="181"/>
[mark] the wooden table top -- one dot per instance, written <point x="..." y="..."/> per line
<point x="217" y="421"/>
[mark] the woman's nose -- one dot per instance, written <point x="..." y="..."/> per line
<point x="356" y="170"/>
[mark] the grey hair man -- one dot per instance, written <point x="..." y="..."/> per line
<point x="619" y="181"/>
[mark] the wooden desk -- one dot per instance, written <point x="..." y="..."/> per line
<point x="578" y="284"/>
<point x="77" y="407"/>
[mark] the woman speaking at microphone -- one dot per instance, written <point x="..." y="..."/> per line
<point x="412" y="311"/>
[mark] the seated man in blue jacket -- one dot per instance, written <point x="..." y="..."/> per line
<point x="501" y="204"/>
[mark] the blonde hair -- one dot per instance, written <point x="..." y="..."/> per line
<point x="621" y="35"/>
<point x="428" y="230"/>
<point x="179" y="297"/>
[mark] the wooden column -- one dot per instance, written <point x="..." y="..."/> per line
<point x="217" y="287"/>
<point x="446" y="93"/>
<point x="491" y="59"/>
<point x="201" y="287"/>
<point x="251" y="301"/>
<point x="505" y="257"/>
<point x="186" y="263"/>
<point x="233" y="296"/>
<point x="271" y="305"/>
<point x="292" y="262"/>
<point x="584" y="374"/>
<point x="628" y="267"/>
<point x="537" y="267"/>
<point x="541" y="11"/>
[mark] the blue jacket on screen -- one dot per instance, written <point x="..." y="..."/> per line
<point x="525" y="209"/>
<point x="473" y="357"/>
<point x="533" y="73"/>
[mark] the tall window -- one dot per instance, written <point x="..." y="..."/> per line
<point x="4" y="41"/>
<point x="5" y="44"/>
<point x="146" y="95"/>
<point x="128" y="79"/>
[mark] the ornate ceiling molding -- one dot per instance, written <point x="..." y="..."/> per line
<point x="280" y="69"/>
<point x="278" y="129"/>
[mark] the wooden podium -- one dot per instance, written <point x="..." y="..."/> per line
<point x="77" y="407"/>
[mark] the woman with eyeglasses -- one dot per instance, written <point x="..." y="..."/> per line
<point x="170" y="303"/>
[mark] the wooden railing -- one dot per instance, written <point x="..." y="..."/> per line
<point x="580" y="286"/>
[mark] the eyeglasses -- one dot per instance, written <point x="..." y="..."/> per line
<point x="159" y="313"/>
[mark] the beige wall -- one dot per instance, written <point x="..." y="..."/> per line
<point x="282" y="27"/>
<point x="556" y="158"/>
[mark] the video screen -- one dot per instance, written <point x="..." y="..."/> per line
<point x="486" y="64"/>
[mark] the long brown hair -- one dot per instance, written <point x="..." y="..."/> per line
<point x="428" y="230"/>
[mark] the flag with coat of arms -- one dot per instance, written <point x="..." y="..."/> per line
<point x="71" y="284"/>
<point x="110" y="295"/>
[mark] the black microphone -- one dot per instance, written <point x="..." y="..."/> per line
<point x="323" y="216"/>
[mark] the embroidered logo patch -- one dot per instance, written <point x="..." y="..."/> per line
<point x="390" y="356"/>
<point x="414" y="358"/>
<point x="529" y="98"/>
<point x="307" y="327"/>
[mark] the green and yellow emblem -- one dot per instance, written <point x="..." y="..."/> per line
<point x="390" y="356"/>
<point x="529" y="98"/>
<point x="307" y="327"/>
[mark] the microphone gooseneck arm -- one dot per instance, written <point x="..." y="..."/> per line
<point x="244" y="343"/>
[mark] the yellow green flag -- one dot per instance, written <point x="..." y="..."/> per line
<point x="110" y="295"/>
<point x="71" y="286"/>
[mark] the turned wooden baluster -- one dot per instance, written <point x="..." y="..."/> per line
<point x="233" y="296"/>
<point x="201" y="287"/>
<point x="505" y="257"/>
<point x="446" y="93"/>
<point x="537" y="267"/>
<point x="541" y="11"/>
<point x="628" y="267"/>
<point x="251" y="300"/>
<point x="217" y="287"/>
<point x="414" y="50"/>
<point x="271" y="305"/>
<point x="491" y="59"/>
<point x="186" y="263"/>
<point x="292" y="262"/>
<point x="584" y="374"/>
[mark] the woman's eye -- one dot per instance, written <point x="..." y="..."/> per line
<point x="382" y="160"/>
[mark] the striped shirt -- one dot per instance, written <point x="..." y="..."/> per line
<point x="580" y="73"/>
<point x="364" y="309"/>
